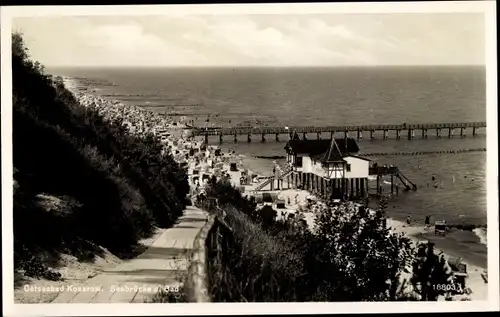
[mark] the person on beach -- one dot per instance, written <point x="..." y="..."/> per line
<point x="433" y="177"/>
<point x="408" y="220"/>
<point x="427" y="221"/>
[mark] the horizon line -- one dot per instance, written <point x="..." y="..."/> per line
<point x="263" y="66"/>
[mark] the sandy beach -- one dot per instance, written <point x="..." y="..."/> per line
<point x="474" y="280"/>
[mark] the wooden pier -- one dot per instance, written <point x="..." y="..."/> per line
<point x="395" y="129"/>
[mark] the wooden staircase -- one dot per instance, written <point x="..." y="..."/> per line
<point x="268" y="181"/>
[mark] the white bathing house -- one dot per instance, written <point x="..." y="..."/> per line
<point x="328" y="167"/>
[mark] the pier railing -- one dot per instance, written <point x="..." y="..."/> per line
<point x="347" y="129"/>
<point x="316" y="129"/>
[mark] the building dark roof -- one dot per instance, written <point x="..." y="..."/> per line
<point x="333" y="154"/>
<point x="315" y="148"/>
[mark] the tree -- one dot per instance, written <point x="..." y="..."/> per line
<point x="429" y="271"/>
<point x="267" y="216"/>
<point x="363" y="258"/>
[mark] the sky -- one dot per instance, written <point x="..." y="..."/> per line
<point x="256" y="40"/>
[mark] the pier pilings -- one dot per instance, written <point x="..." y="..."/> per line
<point x="411" y="134"/>
<point x="346" y="188"/>
<point x="424" y="133"/>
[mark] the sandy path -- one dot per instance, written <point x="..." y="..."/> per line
<point x="164" y="264"/>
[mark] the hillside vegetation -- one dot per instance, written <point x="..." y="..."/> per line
<point x="81" y="182"/>
<point x="351" y="255"/>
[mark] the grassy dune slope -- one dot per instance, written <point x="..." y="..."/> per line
<point x="82" y="184"/>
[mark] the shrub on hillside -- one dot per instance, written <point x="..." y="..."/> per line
<point x="227" y="195"/>
<point x="351" y="255"/>
<point x="253" y="266"/>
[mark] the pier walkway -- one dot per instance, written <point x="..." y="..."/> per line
<point x="358" y="129"/>
<point x="163" y="264"/>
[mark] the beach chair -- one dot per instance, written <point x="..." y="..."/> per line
<point x="267" y="198"/>
<point x="233" y="167"/>
<point x="459" y="270"/>
<point x="440" y="228"/>
<point x="484" y="275"/>
<point x="280" y="204"/>
<point x="242" y="180"/>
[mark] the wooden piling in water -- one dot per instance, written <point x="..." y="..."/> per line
<point x="392" y="183"/>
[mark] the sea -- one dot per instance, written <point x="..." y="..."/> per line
<point x="338" y="96"/>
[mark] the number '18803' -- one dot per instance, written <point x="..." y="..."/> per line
<point x="448" y="287"/>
